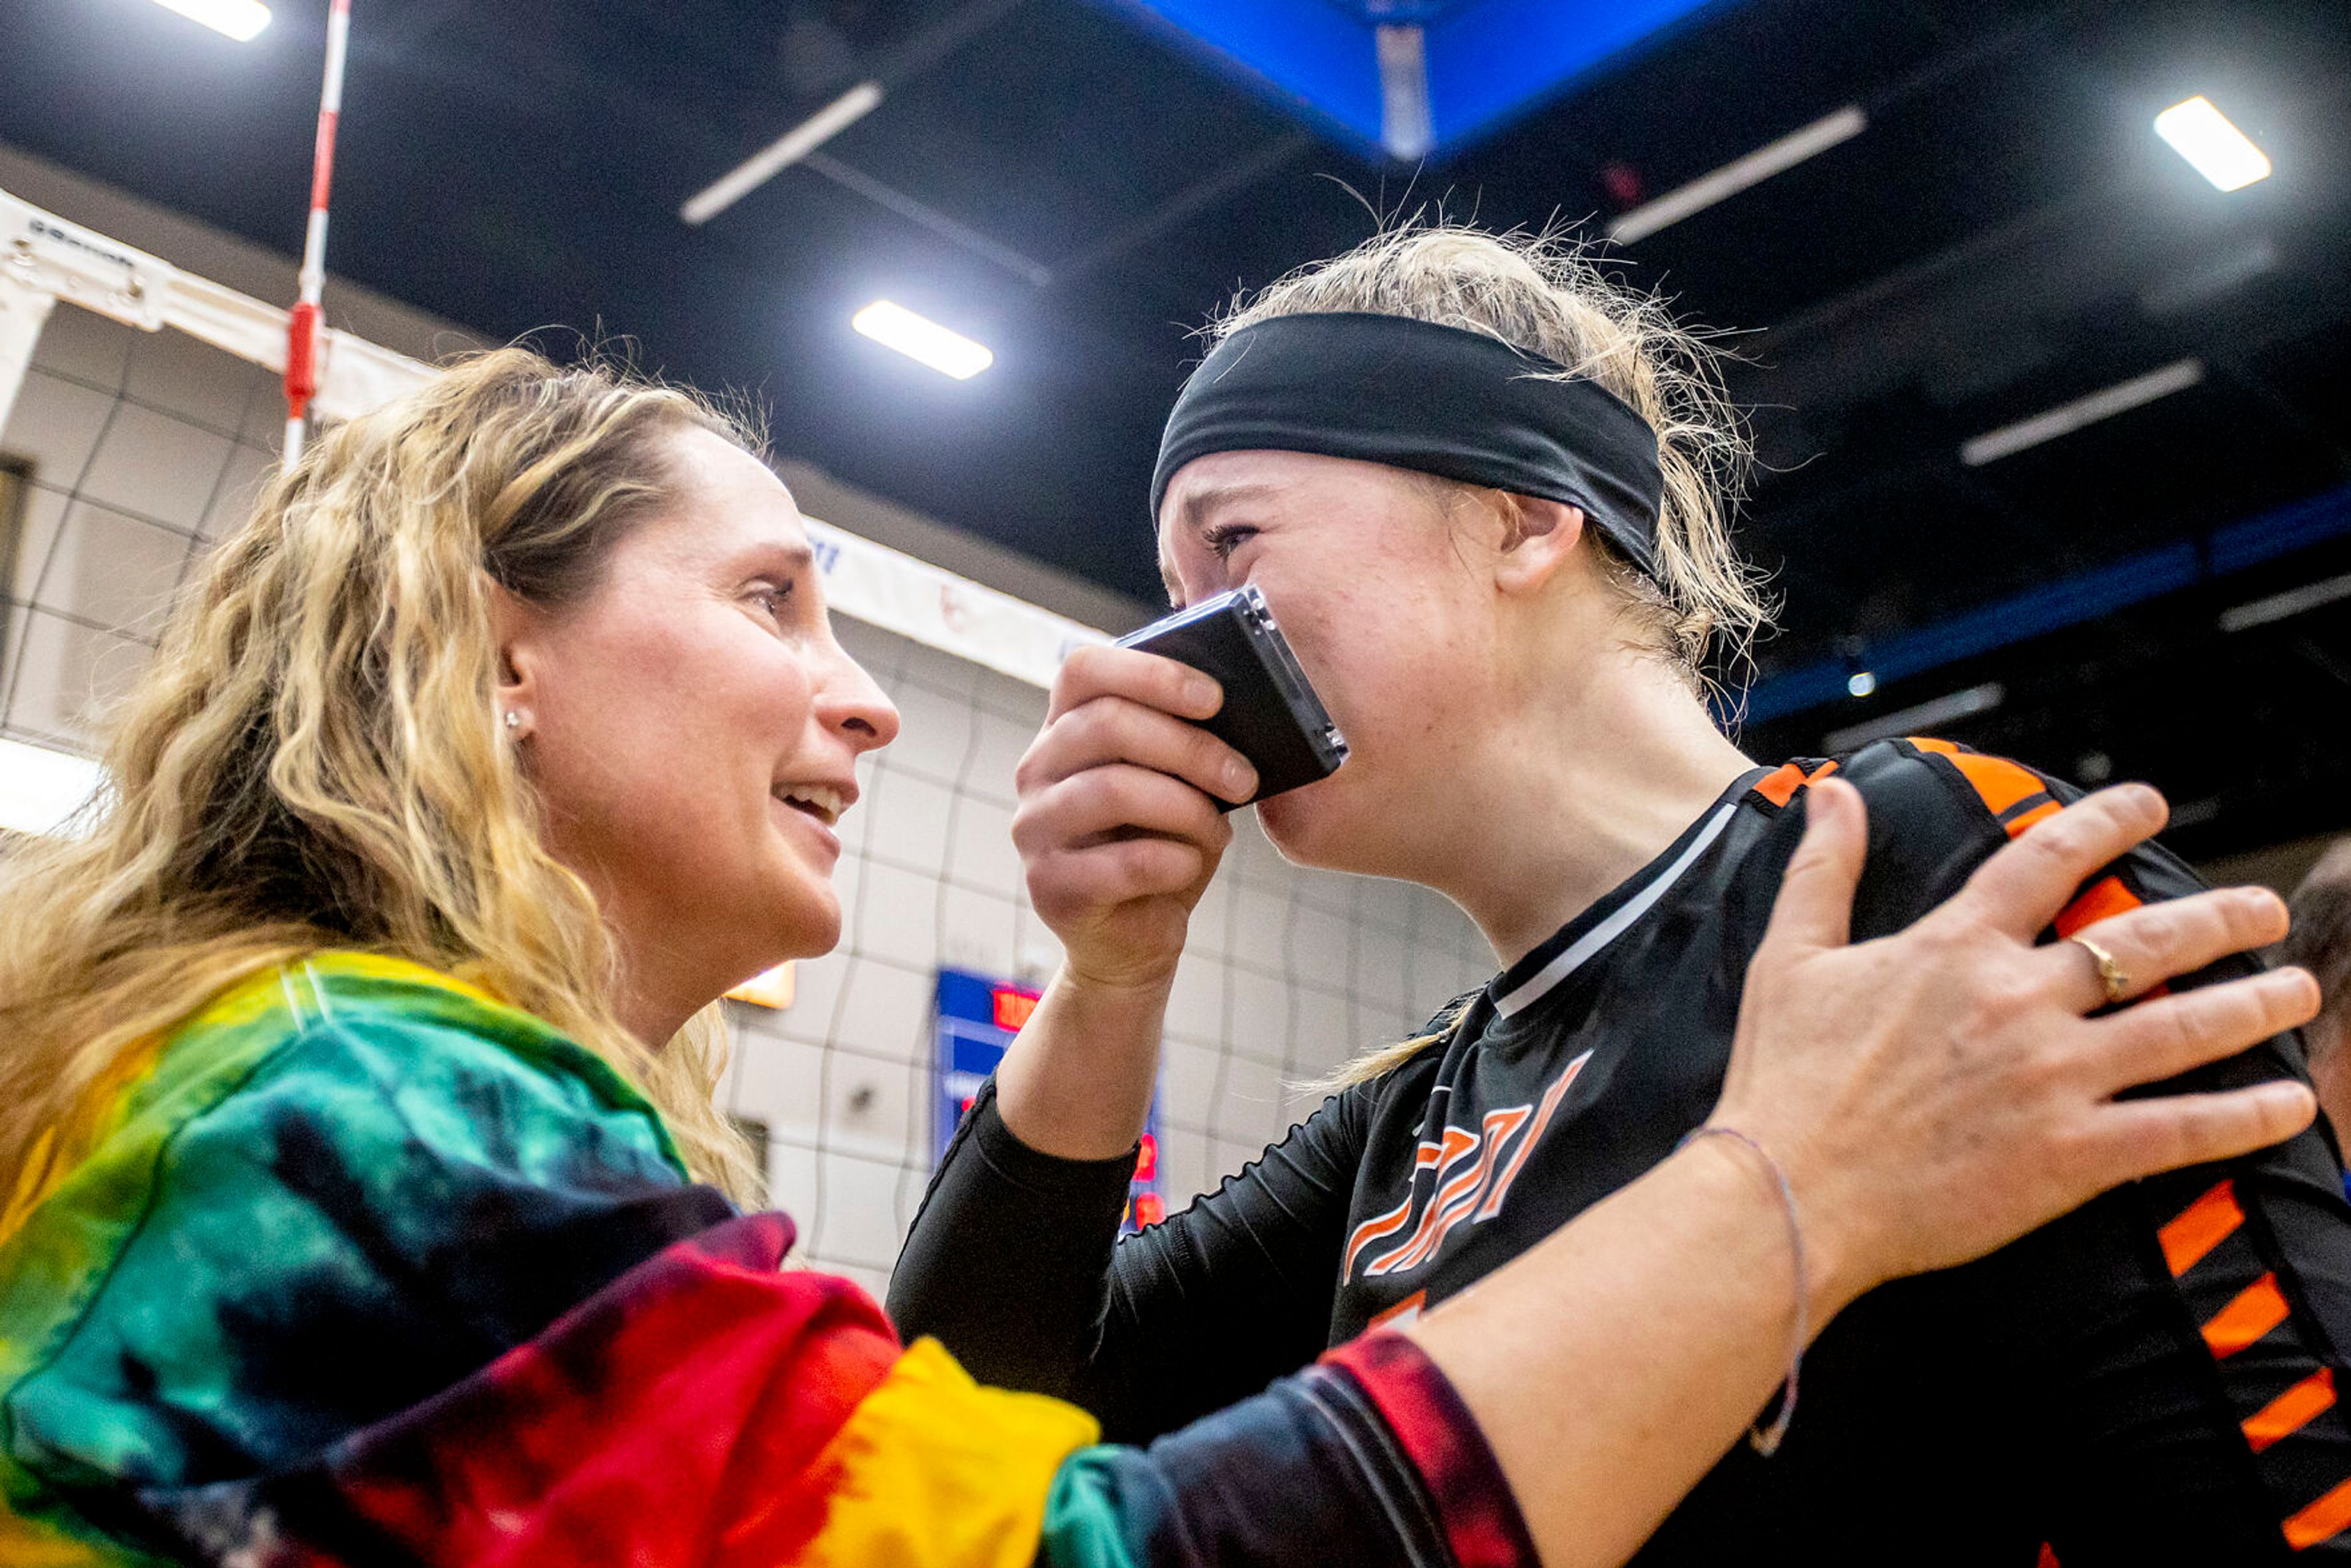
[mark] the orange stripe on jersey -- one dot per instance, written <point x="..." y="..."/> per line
<point x="2322" y="1520"/>
<point x="2258" y="1309"/>
<point x="1999" y="782"/>
<point x="2102" y="900"/>
<point x="2039" y="813"/>
<point x="2290" y="1411"/>
<point x="1780" y="786"/>
<point x="1459" y="1143"/>
<point x="2203" y="1226"/>
<point x="1371" y="1230"/>
<point x="1492" y="1205"/>
<point x="1452" y="1202"/>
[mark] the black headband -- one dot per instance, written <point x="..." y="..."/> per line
<point x="1437" y="400"/>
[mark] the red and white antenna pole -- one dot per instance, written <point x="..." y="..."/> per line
<point x="302" y="331"/>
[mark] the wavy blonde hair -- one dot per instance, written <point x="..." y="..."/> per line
<point x="314" y="760"/>
<point x="1543" y="294"/>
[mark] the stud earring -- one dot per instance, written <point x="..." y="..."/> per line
<point x="514" y="719"/>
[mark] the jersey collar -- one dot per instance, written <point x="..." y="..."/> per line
<point x="1582" y="939"/>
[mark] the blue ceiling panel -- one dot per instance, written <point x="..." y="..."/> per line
<point x="1308" y="53"/>
<point x="1422" y="11"/>
<point x="1452" y="71"/>
<point x="1490" y="62"/>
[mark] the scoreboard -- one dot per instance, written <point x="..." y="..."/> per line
<point x="974" y="1018"/>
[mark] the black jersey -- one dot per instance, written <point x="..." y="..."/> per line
<point x="2149" y="1380"/>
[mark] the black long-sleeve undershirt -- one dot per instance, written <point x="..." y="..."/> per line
<point x="1201" y="1310"/>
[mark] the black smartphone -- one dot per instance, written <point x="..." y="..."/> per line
<point x="1271" y="714"/>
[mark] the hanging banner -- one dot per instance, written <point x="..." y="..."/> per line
<point x="933" y="606"/>
<point x="974" y="1021"/>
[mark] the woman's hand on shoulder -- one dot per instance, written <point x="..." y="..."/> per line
<point x="1936" y="1093"/>
<point x="1119" y="828"/>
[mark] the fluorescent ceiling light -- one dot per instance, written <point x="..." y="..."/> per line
<point x="919" y="338"/>
<point x="783" y="152"/>
<point x="1924" y="718"/>
<point x="2220" y="152"/>
<point x="2292" y="601"/>
<point x="2067" y="418"/>
<point x="240" y="20"/>
<point x="40" y="789"/>
<point x="1737" y="175"/>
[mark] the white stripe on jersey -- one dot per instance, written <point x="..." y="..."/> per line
<point x="1542" y="981"/>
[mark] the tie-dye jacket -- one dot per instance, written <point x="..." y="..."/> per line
<point x="359" y="1265"/>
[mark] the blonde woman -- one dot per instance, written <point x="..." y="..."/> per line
<point x="1485" y="493"/>
<point x="368" y="1204"/>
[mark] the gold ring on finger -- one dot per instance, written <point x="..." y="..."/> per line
<point x="2111" y="975"/>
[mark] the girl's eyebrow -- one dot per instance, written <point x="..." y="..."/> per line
<point x="1198" y="504"/>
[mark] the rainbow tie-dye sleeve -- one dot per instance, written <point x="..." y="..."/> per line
<point x="707" y="1410"/>
<point x="364" y="1268"/>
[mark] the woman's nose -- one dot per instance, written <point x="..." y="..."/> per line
<point x="853" y="702"/>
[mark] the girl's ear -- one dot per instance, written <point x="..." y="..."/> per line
<point x="1538" y="536"/>
<point x="516" y="636"/>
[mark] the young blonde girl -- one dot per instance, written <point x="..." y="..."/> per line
<point x="1485" y="492"/>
